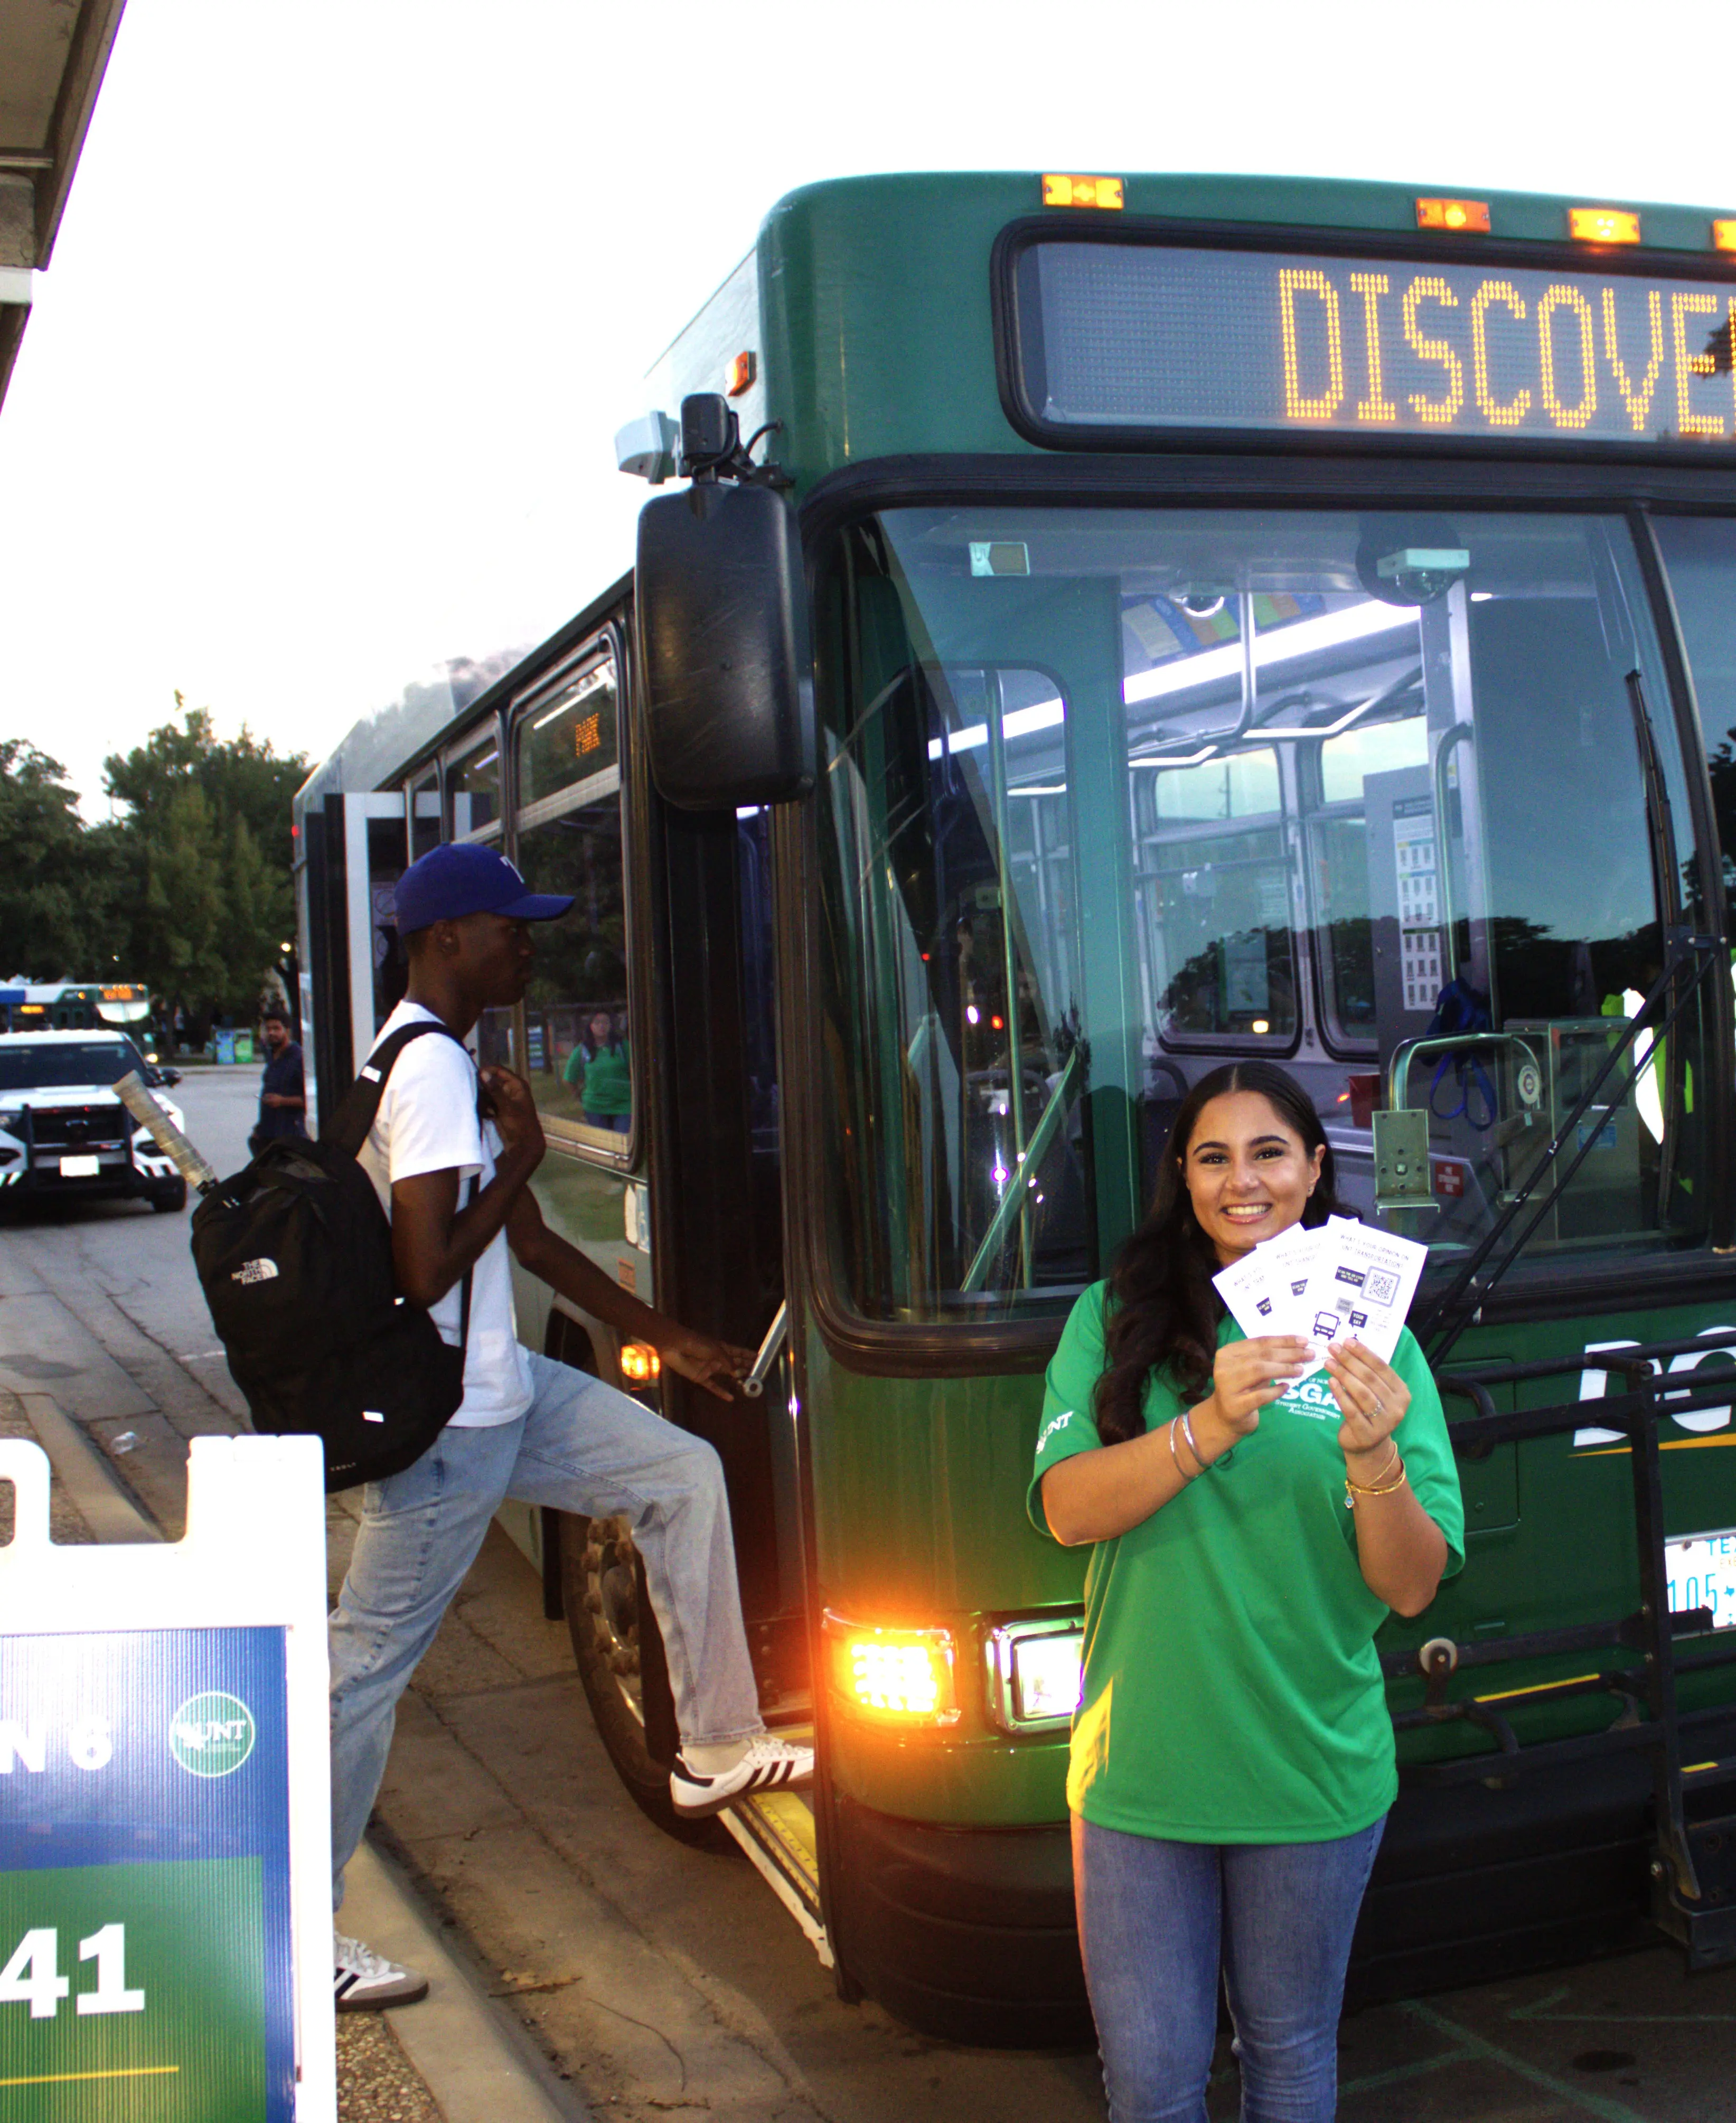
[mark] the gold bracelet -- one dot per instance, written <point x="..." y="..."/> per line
<point x="1392" y="1461"/>
<point x="1371" y="1489"/>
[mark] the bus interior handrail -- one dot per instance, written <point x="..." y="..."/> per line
<point x="1407" y="1050"/>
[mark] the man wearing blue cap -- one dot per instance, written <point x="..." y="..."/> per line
<point x="527" y="1427"/>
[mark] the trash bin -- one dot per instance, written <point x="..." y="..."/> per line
<point x="244" y="1046"/>
<point x="224" y="1042"/>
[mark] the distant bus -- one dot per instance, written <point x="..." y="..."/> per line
<point x="79" y="1006"/>
<point x="1104" y="628"/>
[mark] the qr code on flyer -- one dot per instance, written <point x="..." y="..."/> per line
<point x="1380" y="1287"/>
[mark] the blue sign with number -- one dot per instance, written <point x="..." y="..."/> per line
<point x="145" y="1969"/>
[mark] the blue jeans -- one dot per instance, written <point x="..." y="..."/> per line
<point x="1154" y="1918"/>
<point x="581" y="1446"/>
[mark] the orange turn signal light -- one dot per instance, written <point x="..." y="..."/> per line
<point x="1723" y="235"/>
<point x="1602" y="224"/>
<point x="1460" y="217"/>
<point x="743" y="371"/>
<point x="1082" y="191"/>
<point x="892" y="1676"/>
<point x="640" y="1365"/>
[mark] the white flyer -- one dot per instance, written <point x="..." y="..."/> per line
<point x="1360" y="1286"/>
<point x="1290" y="1258"/>
<point x="1266" y="1290"/>
<point x="1252" y="1288"/>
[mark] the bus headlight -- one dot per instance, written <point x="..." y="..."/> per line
<point x="1034" y="1672"/>
<point x="892" y="1676"/>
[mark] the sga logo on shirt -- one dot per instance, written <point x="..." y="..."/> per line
<point x="1313" y="1397"/>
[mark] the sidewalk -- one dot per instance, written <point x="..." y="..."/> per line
<point x="453" y="2058"/>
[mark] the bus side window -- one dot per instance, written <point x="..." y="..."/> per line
<point x="577" y="1042"/>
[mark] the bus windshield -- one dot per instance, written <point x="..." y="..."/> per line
<point x="1117" y="795"/>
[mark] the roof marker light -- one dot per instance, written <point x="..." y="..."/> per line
<point x="1082" y="191"/>
<point x="1723" y="235"/>
<point x="1602" y="224"/>
<point x="743" y="371"/>
<point x="1458" y="217"/>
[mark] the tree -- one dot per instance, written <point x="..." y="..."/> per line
<point x="57" y="893"/>
<point x="208" y="837"/>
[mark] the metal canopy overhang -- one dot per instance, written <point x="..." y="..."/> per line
<point x="53" y="53"/>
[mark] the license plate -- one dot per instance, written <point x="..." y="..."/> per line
<point x="1702" y="1573"/>
<point x="80" y="1168"/>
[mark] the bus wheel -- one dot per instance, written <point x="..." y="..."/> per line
<point x="166" y="1200"/>
<point x="619" y="1650"/>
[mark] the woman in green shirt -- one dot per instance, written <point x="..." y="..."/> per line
<point x="1251" y="1526"/>
<point x="600" y="1069"/>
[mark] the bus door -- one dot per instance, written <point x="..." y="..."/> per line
<point x="358" y="850"/>
<point x="1008" y="1143"/>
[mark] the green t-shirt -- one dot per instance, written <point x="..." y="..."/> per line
<point x="606" y="1081"/>
<point x="1232" y="1691"/>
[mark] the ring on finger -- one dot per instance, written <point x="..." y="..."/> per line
<point x="1380" y="1406"/>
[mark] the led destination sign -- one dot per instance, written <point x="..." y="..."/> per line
<point x="1133" y="336"/>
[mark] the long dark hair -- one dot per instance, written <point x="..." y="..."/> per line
<point x="1163" y="1312"/>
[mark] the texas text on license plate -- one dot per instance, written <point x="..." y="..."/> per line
<point x="1702" y="1573"/>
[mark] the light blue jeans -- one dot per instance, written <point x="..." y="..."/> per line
<point x="1155" y="1918"/>
<point x="581" y="1446"/>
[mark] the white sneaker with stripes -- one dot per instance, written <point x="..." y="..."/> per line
<point x="766" y="1765"/>
<point x="366" y="1981"/>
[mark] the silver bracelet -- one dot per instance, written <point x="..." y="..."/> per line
<point x="1187" y="1431"/>
<point x="1185" y="1477"/>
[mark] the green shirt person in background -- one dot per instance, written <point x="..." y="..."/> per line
<point x="600" y="1069"/>
<point x="1232" y="1761"/>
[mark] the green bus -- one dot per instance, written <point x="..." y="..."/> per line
<point x="1096" y="627"/>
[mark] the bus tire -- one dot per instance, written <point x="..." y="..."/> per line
<point x="619" y="1652"/>
<point x="166" y="1200"/>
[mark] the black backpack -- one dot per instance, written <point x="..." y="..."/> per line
<point x="294" y="1254"/>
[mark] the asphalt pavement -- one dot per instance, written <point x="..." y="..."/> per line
<point x="651" y="1979"/>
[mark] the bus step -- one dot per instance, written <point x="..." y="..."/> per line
<point x="776" y="1830"/>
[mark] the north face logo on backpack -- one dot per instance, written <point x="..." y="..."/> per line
<point x="253" y="1271"/>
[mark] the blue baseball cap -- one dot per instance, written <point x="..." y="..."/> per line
<point x="464" y="878"/>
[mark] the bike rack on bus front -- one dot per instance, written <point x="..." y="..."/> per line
<point x="1693" y="1866"/>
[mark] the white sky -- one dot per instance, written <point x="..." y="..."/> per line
<point x="351" y="296"/>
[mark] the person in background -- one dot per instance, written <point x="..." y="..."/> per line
<point x="600" y="1069"/>
<point x="1232" y="1759"/>
<point x="283" y="1097"/>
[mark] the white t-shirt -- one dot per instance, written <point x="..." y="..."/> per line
<point x="427" y="1122"/>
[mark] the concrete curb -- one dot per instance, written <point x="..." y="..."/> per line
<point x="476" y="2062"/>
<point x="86" y="1475"/>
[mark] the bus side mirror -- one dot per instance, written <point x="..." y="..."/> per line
<point x="723" y="652"/>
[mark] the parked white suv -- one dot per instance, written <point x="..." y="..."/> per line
<point x="63" y="1131"/>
